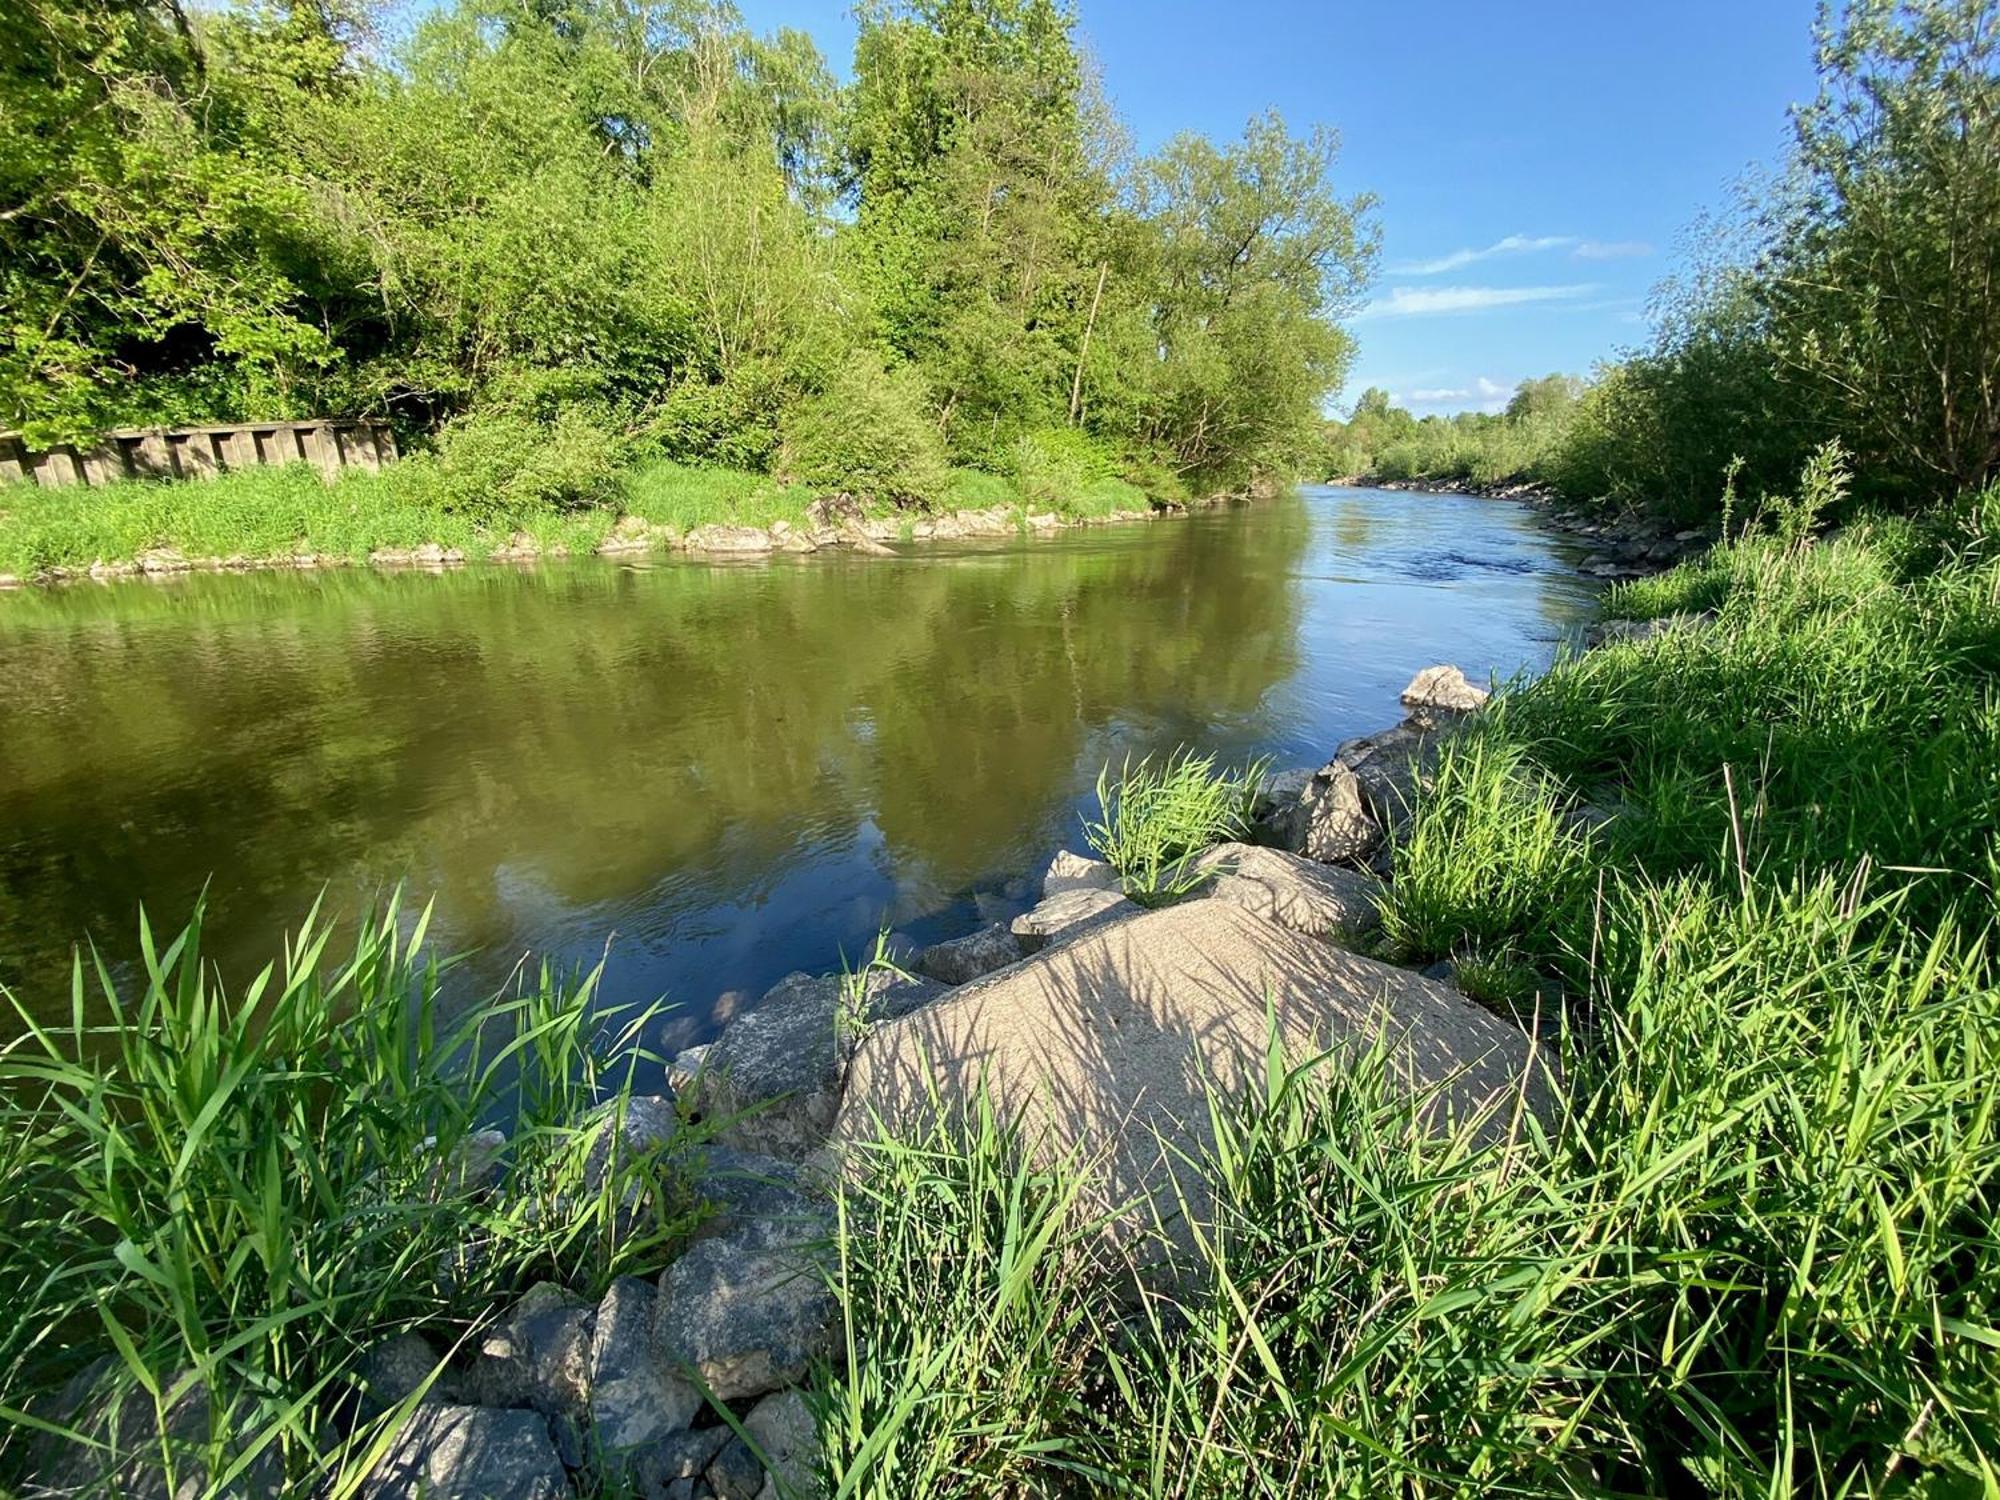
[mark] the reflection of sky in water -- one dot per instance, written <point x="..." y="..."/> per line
<point x="730" y="772"/>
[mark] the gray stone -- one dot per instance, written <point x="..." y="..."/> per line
<point x="1101" y="1047"/>
<point x="1443" y="690"/>
<point x="964" y="959"/>
<point x="635" y="1398"/>
<point x="646" y="1128"/>
<point x="1328" y="820"/>
<point x="397" y="1368"/>
<point x="538" y="1356"/>
<point x="1069" y="915"/>
<point x="738" y="540"/>
<point x="125" y="1446"/>
<point x="784" y="1432"/>
<point x="740" y="1187"/>
<point x="680" y="1459"/>
<point x="1294" y="892"/>
<point x="892" y="993"/>
<point x="775" y="1072"/>
<point x="1620" y="632"/>
<point x="735" y="1474"/>
<point x="470" y="1453"/>
<point x="1074" y="872"/>
<point x="1391" y="767"/>
<point x="749" y="1310"/>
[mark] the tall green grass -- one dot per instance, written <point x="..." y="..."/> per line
<point x="237" y="1195"/>
<point x="1154" y="819"/>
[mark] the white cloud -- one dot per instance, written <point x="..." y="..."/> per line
<point x="1438" y="395"/>
<point x="1481" y="395"/>
<point x="1513" y="244"/>
<point x="1612" y="249"/>
<point x="1414" y="302"/>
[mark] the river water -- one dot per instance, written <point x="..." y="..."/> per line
<point x="725" y="771"/>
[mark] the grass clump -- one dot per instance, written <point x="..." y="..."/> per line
<point x="684" y="496"/>
<point x="238" y="1195"/>
<point x="1155" y="819"/>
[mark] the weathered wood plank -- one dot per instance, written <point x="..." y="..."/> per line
<point x="328" y="444"/>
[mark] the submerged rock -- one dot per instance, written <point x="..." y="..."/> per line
<point x="1443" y="690"/>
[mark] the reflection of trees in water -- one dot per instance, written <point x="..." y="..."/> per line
<point x="601" y="735"/>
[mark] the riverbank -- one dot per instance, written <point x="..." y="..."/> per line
<point x="1726" y="873"/>
<point x="290" y="519"/>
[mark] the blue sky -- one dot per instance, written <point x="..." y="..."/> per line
<point x="1537" y="161"/>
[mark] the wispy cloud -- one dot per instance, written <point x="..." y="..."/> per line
<point x="1513" y="244"/>
<point x="1482" y="394"/>
<point x="1429" y="301"/>
<point x="1612" y="249"/>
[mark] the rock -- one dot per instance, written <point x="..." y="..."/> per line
<point x="857" y="536"/>
<point x="735" y="1473"/>
<point x="1390" y="766"/>
<point x="742" y="541"/>
<point x="684" y="1072"/>
<point x="778" y="1067"/>
<point x="1443" y="972"/>
<point x="748" y="1310"/>
<point x="966" y="958"/>
<point x="635" y="1398"/>
<point x="1443" y="690"/>
<point x="1048" y="520"/>
<point x="1328" y="820"/>
<point x="1279" y="788"/>
<point x="1100" y="1046"/>
<point x="646" y="1128"/>
<point x="783" y="1429"/>
<point x="1292" y="891"/>
<point x="539" y="1355"/>
<point x="474" y="1164"/>
<point x="833" y="511"/>
<point x="1073" y="872"/>
<point x="397" y="1368"/>
<point x="1069" y="915"/>
<point x="740" y="1187"/>
<point x="470" y="1453"/>
<point x="677" y="1460"/>
<point x="892" y="993"/>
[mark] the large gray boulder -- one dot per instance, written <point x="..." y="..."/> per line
<point x="747" y="1311"/>
<point x="1069" y="915"/>
<point x="739" y="1187"/>
<point x="964" y="959"/>
<point x="775" y="1071"/>
<point x="635" y="1398"/>
<point x="1328" y="819"/>
<point x="1100" y="1047"/>
<point x="470" y="1453"/>
<point x="1294" y="892"/>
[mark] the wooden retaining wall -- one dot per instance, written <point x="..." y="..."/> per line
<point x="202" y="452"/>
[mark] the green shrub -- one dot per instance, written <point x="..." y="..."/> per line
<point x="498" y="466"/>
<point x="1153" y="820"/>
<point x="869" y="433"/>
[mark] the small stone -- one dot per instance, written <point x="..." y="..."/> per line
<point x="1073" y="872"/>
<point x="397" y="1368"/>
<point x="679" y="1459"/>
<point x="1067" y="916"/>
<point x="962" y="960"/>
<point x="783" y="1429"/>
<point x="470" y="1453"/>
<point x="735" y="1473"/>
<point x="1328" y="820"/>
<point x="645" y="1125"/>
<point x="776" y="1070"/>
<point x="538" y="1356"/>
<point x="748" y="1310"/>
<point x="740" y="1187"/>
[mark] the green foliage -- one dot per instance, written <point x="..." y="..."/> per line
<point x="867" y="434"/>
<point x="1153" y="820"/>
<point x="1383" y="442"/>
<point x="248" y="1190"/>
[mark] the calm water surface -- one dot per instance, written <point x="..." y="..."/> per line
<point x="728" y="771"/>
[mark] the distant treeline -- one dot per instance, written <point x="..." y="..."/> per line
<point x="559" y="235"/>
<point x="1854" y="298"/>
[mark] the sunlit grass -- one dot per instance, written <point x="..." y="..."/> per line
<point x="1155" y="818"/>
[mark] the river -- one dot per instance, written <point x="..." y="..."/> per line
<point x="726" y="772"/>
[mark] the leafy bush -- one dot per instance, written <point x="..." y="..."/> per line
<point x="498" y="466"/>
<point x="868" y="433"/>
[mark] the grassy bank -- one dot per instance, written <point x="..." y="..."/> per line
<point x="259" y="515"/>
<point x="1756" y="1257"/>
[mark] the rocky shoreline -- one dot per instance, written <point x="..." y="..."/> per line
<point x="1089" y="1016"/>
<point x="833" y="523"/>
